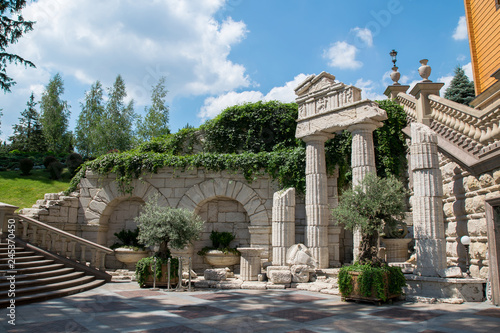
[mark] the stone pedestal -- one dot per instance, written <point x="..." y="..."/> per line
<point x="317" y="213"/>
<point x="428" y="224"/>
<point x="392" y="91"/>
<point x="362" y="162"/>
<point x="421" y="91"/>
<point x="283" y="232"/>
<point x="250" y="263"/>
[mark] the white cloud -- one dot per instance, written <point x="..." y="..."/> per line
<point x="215" y="105"/>
<point x="342" y="55"/>
<point x="367" y="87"/>
<point x="461" y="57"/>
<point x="365" y="35"/>
<point x="468" y="71"/>
<point x="91" y="40"/>
<point x="460" y="32"/>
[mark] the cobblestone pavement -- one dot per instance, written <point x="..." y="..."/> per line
<point x="123" y="307"/>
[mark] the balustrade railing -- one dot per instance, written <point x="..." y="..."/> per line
<point x="61" y="242"/>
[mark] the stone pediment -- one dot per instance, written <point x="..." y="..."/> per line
<point x="315" y="83"/>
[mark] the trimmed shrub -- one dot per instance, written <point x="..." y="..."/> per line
<point x="73" y="162"/>
<point x="49" y="160"/>
<point x="55" y="169"/>
<point x="26" y="165"/>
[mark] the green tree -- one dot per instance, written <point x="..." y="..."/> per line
<point x="461" y="90"/>
<point x="115" y="127"/>
<point x="28" y="134"/>
<point x="54" y="116"/>
<point x="368" y="206"/>
<point x="12" y="27"/>
<point x="88" y="127"/>
<point x="155" y="122"/>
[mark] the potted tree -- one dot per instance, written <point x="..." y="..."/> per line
<point x="163" y="227"/>
<point x="368" y="207"/>
<point x="220" y="254"/>
<point x="128" y="250"/>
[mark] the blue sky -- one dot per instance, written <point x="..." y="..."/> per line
<point x="217" y="53"/>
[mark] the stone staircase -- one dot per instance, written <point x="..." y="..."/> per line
<point x="39" y="276"/>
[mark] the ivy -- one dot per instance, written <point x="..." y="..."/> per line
<point x="144" y="267"/>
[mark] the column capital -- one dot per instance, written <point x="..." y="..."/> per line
<point x="318" y="137"/>
<point x="369" y="125"/>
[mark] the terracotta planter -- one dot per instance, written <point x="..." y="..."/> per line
<point x="163" y="281"/>
<point x="357" y="296"/>
<point x="219" y="259"/>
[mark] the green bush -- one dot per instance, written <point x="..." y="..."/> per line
<point x="55" y="170"/>
<point x="73" y="162"/>
<point x="26" y="165"/>
<point x="127" y="238"/>
<point x="49" y="160"/>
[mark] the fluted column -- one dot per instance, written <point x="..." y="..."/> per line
<point x="428" y="224"/>
<point x="316" y="232"/>
<point x="250" y="264"/>
<point x="283" y="232"/>
<point x="362" y="163"/>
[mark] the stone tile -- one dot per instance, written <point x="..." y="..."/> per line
<point x="244" y="324"/>
<point x="103" y="306"/>
<point x="218" y="296"/>
<point x="299" y="298"/>
<point x="301" y="331"/>
<point x="129" y="320"/>
<point x="198" y="311"/>
<point x="469" y="324"/>
<point x="301" y="315"/>
<point x="171" y="329"/>
<point x="489" y="312"/>
<point x="406" y="314"/>
<point x="140" y="293"/>
<point x="362" y="325"/>
<point x="57" y="326"/>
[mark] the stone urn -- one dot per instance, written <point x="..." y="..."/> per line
<point x="219" y="259"/>
<point x="130" y="256"/>
<point x="424" y="70"/>
<point x="395" y="76"/>
<point x="396" y="249"/>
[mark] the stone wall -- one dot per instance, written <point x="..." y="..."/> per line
<point x="225" y="200"/>
<point x="464" y="211"/>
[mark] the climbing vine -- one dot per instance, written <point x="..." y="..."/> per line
<point x="255" y="139"/>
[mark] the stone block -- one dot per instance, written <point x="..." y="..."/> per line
<point x="269" y="269"/>
<point x="253" y="285"/>
<point x="219" y="274"/>
<point x="273" y="286"/>
<point x="486" y="180"/>
<point x="474" y="205"/>
<point x="472" y="184"/>
<point x="496" y="176"/>
<point x="230" y="284"/>
<point x="280" y="276"/>
<point x="300" y="273"/>
<point x="451" y="272"/>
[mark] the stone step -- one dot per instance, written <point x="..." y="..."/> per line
<point x="28" y="264"/>
<point x="37" y="269"/>
<point x="39" y="282"/>
<point x="43" y="296"/>
<point x="18" y="254"/>
<point x="18" y="259"/>
<point x="16" y="249"/>
<point x="48" y="287"/>
<point x="40" y="275"/>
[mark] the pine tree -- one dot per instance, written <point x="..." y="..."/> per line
<point x="461" y="90"/>
<point x="115" y="127"/>
<point x="11" y="29"/>
<point x="155" y="122"/>
<point x="89" y="120"/>
<point x="28" y="135"/>
<point x="54" y="116"/>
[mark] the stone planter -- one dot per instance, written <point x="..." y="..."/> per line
<point x="219" y="259"/>
<point x="129" y="256"/>
<point x="396" y="249"/>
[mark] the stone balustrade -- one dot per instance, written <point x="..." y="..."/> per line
<point x="61" y="242"/>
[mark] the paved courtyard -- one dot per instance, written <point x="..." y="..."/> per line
<point x="123" y="307"/>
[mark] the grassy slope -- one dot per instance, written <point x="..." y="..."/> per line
<point x="24" y="191"/>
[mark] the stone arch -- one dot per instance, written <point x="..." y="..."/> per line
<point x="197" y="195"/>
<point x="107" y="198"/>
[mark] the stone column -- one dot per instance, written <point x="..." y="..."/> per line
<point x="362" y="163"/>
<point x="6" y="213"/>
<point x="283" y="234"/>
<point x="250" y="263"/>
<point x="316" y="232"/>
<point x="428" y="225"/>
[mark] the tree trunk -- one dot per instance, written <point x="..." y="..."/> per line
<point x="368" y="250"/>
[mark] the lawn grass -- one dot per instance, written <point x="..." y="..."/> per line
<point x="24" y="191"/>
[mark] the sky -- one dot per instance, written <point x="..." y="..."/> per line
<point x="218" y="53"/>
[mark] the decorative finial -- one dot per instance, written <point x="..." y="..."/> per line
<point x="424" y="70"/>
<point x="395" y="75"/>
<point x="393" y="55"/>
